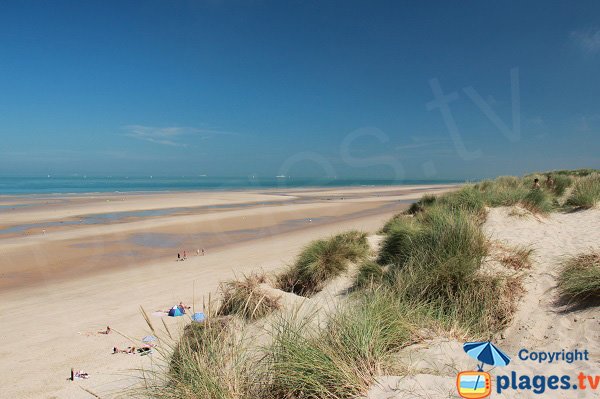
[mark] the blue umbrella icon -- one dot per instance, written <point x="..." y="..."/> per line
<point x="487" y="353"/>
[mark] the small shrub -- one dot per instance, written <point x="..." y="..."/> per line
<point x="579" y="279"/>
<point x="586" y="192"/>
<point x="322" y="260"/>
<point x="245" y="298"/>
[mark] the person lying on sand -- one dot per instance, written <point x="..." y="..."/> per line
<point x="129" y="350"/>
<point x="79" y="374"/>
<point x="132" y="350"/>
<point x="107" y="331"/>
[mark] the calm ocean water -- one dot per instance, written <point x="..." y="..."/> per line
<point x="51" y="185"/>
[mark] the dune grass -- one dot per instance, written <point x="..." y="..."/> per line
<point x="434" y="257"/>
<point x="208" y="361"/>
<point x="561" y="183"/>
<point x="370" y="273"/>
<point x="342" y="360"/>
<point x="538" y="201"/>
<point x="322" y="260"/>
<point x="586" y="192"/>
<point x="579" y="279"/>
<point x="439" y="234"/>
<point x="245" y="298"/>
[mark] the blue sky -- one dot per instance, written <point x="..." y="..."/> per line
<point x="307" y="88"/>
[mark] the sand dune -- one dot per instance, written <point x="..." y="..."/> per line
<point x="540" y="324"/>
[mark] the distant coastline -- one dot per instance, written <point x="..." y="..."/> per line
<point x="81" y="185"/>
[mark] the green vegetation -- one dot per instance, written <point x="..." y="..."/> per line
<point x="322" y="260"/>
<point x="440" y="234"/>
<point x="342" y="360"/>
<point x="207" y="362"/>
<point x="370" y="273"/>
<point x="538" y="201"/>
<point x="579" y="280"/>
<point x="245" y="298"/>
<point x="586" y="192"/>
<point x="561" y="184"/>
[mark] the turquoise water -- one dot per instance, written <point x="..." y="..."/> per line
<point x="63" y="185"/>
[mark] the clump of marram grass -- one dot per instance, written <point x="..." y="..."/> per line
<point x="439" y="234"/>
<point x="342" y="360"/>
<point x="561" y="184"/>
<point x="370" y="273"/>
<point x="322" y="260"/>
<point x="245" y="298"/>
<point x="419" y="206"/>
<point x="468" y="199"/>
<point x="538" y="200"/>
<point x="210" y="360"/>
<point x="586" y="192"/>
<point x="579" y="279"/>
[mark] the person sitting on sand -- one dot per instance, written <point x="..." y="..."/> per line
<point x="536" y="183"/>
<point x="107" y="331"/>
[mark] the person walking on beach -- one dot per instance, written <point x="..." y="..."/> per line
<point x="202" y="251"/>
<point x="198" y="252"/>
<point x="178" y="256"/>
<point x="184" y="256"/>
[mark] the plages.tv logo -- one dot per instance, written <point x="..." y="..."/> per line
<point x="478" y="384"/>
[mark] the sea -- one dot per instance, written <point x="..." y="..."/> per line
<point x="111" y="184"/>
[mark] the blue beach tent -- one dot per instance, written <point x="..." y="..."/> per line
<point x="175" y="311"/>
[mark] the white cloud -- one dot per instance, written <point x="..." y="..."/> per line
<point x="588" y="40"/>
<point x="171" y="136"/>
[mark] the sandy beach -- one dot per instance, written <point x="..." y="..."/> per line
<point x="71" y="265"/>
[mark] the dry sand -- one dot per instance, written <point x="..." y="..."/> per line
<point x="540" y="324"/>
<point x="61" y="286"/>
